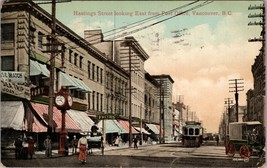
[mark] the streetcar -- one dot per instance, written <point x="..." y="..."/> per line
<point x="192" y="134"/>
<point x="246" y="138"/>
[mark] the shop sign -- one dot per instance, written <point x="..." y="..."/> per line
<point x="15" y="89"/>
<point x="106" y="117"/>
<point x="13" y="77"/>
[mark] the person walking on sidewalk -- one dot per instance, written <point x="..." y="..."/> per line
<point x="82" y="145"/>
<point x="135" y="142"/>
<point x="18" y="147"/>
<point x="74" y="144"/>
<point x="48" y="146"/>
<point x="30" y="146"/>
<point x="217" y="140"/>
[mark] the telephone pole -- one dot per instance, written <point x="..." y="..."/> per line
<point x="238" y="87"/>
<point x="228" y="102"/>
<point x="52" y="70"/>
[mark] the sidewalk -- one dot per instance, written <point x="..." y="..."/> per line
<point x="95" y="151"/>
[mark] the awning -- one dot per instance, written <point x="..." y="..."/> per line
<point x="38" y="69"/>
<point x="158" y="127"/>
<point x="42" y="111"/>
<point x="126" y="125"/>
<point x="81" y="119"/>
<point x="153" y="128"/>
<point x="143" y="130"/>
<point x="36" y="126"/>
<point x="73" y="83"/>
<point x="12" y="114"/>
<point x="112" y="126"/>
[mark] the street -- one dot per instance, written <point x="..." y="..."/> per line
<point x="160" y="155"/>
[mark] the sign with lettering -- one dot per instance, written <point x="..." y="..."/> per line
<point x="13" y="77"/>
<point x="15" y="90"/>
<point x="106" y="117"/>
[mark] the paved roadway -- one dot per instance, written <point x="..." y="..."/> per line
<point x="160" y="155"/>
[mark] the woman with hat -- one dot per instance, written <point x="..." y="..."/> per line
<point x="82" y="146"/>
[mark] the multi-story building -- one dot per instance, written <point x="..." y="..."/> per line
<point x="164" y="94"/>
<point x="151" y="100"/>
<point x="26" y="49"/>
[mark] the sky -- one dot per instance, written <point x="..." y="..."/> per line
<point x="201" y="49"/>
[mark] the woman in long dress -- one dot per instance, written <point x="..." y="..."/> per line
<point x="82" y="145"/>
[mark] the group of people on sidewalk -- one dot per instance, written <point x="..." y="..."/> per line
<point x="24" y="147"/>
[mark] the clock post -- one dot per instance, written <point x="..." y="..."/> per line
<point x="63" y="102"/>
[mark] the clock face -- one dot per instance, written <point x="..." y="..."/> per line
<point x="70" y="101"/>
<point x="60" y="100"/>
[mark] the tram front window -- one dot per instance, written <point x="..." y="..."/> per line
<point x="196" y="131"/>
<point x="191" y="131"/>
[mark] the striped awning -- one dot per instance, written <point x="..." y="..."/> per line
<point x="153" y="128"/>
<point x="143" y="130"/>
<point x="112" y="126"/>
<point x="37" y="68"/>
<point x="12" y="114"/>
<point x="126" y="125"/>
<point x="73" y="83"/>
<point x="81" y="119"/>
<point x="42" y="111"/>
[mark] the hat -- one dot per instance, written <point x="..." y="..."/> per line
<point x="30" y="137"/>
<point x="83" y="133"/>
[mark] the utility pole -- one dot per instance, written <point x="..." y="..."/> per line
<point x="228" y="102"/>
<point x="238" y="87"/>
<point x="52" y="70"/>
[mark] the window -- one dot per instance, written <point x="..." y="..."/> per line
<point x="196" y="131"/>
<point x="93" y="72"/>
<point x="101" y="102"/>
<point x="93" y="100"/>
<point x="89" y="69"/>
<point x="191" y="131"/>
<point x="7" y="32"/>
<point x="70" y="56"/>
<point x="31" y="36"/>
<point x="81" y="62"/>
<point x="48" y="43"/>
<point x="101" y="75"/>
<point x="7" y="63"/>
<point x="75" y="59"/>
<point x="97" y="102"/>
<point x="89" y="100"/>
<point x="97" y="73"/>
<point x="40" y="39"/>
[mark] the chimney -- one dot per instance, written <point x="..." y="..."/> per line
<point x="93" y="36"/>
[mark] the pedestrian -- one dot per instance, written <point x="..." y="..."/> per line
<point x="24" y="151"/>
<point x="82" y="145"/>
<point x="116" y="141"/>
<point x="67" y="146"/>
<point x="135" y="142"/>
<point x="226" y="144"/>
<point x="18" y="147"/>
<point x="30" y="146"/>
<point x="48" y="146"/>
<point x="217" y="140"/>
<point x="74" y="144"/>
